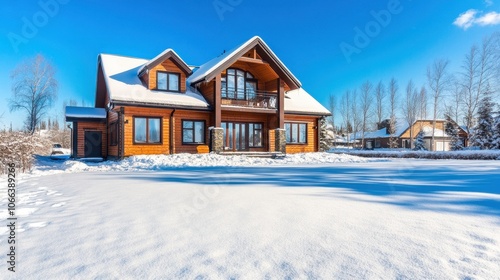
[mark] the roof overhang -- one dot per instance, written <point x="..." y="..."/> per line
<point x="73" y="114"/>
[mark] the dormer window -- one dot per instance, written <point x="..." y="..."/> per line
<point x="168" y="81"/>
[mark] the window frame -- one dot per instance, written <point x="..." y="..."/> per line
<point x="297" y="133"/>
<point x="147" y="130"/>
<point x="261" y="129"/>
<point x="168" y="81"/>
<point x="113" y="133"/>
<point x="193" y="130"/>
<point x="245" y="80"/>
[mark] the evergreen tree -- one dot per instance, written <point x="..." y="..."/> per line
<point x="324" y="137"/>
<point x="483" y="131"/>
<point x="452" y="129"/>
<point x="496" y="132"/>
<point x="419" y="144"/>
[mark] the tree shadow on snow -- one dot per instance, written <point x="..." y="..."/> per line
<point x="422" y="188"/>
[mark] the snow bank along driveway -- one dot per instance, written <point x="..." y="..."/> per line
<point x="409" y="219"/>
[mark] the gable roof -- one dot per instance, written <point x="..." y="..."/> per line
<point x="209" y="70"/>
<point x="166" y="54"/>
<point x="124" y="85"/>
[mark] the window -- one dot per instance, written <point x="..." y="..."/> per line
<point x="113" y="134"/>
<point x="254" y="135"/>
<point x="238" y="84"/>
<point x="193" y="132"/>
<point x="147" y="130"/>
<point x="296" y="133"/>
<point x="167" y="81"/>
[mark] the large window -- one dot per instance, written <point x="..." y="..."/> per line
<point x="167" y="81"/>
<point x="147" y="130"/>
<point x="113" y="134"/>
<point x="238" y="84"/>
<point x="193" y="132"/>
<point x="296" y="133"/>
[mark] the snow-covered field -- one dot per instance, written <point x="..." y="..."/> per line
<point x="205" y="217"/>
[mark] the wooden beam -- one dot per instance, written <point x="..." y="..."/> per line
<point x="281" y="103"/>
<point x="252" y="60"/>
<point x="217" y="100"/>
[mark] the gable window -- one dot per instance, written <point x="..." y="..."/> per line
<point x="193" y="132"/>
<point x="296" y="133"/>
<point x="147" y="130"/>
<point x="168" y="81"/>
<point x="113" y="134"/>
<point x="238" y="84"/>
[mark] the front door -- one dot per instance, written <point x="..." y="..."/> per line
<point x="93" y="144"/>
<point x="235" y="136"/>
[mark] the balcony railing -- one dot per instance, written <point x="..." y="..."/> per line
<point x="249" y="98"/>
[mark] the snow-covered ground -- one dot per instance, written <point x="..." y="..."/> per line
<point x="346" y="218"/>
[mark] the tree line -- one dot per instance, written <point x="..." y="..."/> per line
<point x="468" y="96"/>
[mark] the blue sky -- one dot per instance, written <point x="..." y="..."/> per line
<point x="307" y="36"/>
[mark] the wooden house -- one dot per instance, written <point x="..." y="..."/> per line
<point x="245" y="100"/>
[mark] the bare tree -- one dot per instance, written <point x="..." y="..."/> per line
<point x="438" y="80"/>
<point x="393" y="91"/>
<point x="366" y="100"/>
<point x="355" y="114"/>
<point x="380" y="95"/>
<point x="410" y="107"/>
<point x="345" y="111"/>
<point x="333" y="109"/>
<point x="422" y="114"/>
<point x="454" y="101"/>
<point x="478" y="70"/>
<point x="34" y="90"/>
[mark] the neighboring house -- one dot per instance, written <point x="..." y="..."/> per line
<point x="245" y="100"/>
<point x="380" y="138"/>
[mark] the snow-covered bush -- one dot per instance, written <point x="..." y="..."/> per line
<point x="19" y="148"/>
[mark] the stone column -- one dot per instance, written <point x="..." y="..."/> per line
<point x="216" y="139"/>
<point x="280" y="140"/>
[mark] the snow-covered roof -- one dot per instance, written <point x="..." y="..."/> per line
<point x="168" y="53"/>
<point x="401" y="127"/>
<point x="123" y="83"/>
<point x="85" y="113"/>
<point x="300" y="101"/>
<point x="211" y="66"/>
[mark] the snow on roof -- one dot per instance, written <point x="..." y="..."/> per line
<point x="300" y="101"/>
<point x="85" y="112"/>
<point x="437" y="132"/>
<point x="160" y="56"/>
<point x="207" y="68"/>
<point x="120" y="74"/>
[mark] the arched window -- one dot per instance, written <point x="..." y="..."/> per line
<point x="238" y="84"/>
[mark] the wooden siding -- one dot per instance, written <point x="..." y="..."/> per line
<point x="312" y="135"/>
<point x="167" y="66"/>
<point x="90" y="126"/>
<point x="181" y="115"/>
<point x="130" y="148"/>
<point x="208" y="91"/>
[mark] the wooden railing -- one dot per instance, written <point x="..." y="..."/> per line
<point x="249" y="98"/>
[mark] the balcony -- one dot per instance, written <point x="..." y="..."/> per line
<point x="249" y="98"/>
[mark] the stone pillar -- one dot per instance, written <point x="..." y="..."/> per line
<point x="216" y="135"/>
<point x="280" y="140"/>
